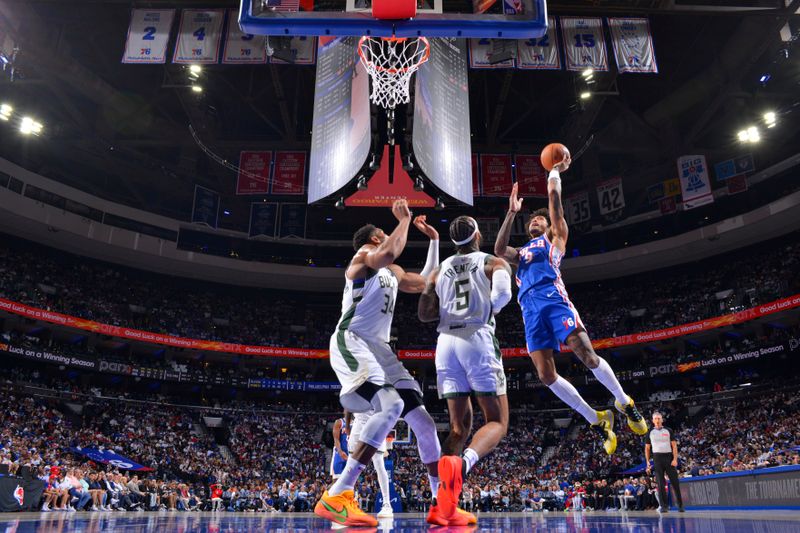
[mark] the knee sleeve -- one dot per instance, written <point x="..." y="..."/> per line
<point x="423" y="426"/>
<point x="388" y="405"/>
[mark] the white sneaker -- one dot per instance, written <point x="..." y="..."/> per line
<point x="386" y="511"/>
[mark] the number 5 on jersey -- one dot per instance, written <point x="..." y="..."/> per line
<point x="462" y="295"/>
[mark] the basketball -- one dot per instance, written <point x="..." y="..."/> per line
<point x="553" y="154"/>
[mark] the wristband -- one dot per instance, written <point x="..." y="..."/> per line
<point x="554" y="175"/>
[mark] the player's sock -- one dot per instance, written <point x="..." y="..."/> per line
<point x="470" y="457"/>
<point x="383" y="476"/>
<point x="434" y="481"/>
<point x="347" y="479"/>
<point x="605" y="375"/>
<point x="570" y="396"/>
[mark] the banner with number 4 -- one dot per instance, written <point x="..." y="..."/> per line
<point x="243" y="48"/>
<point x="148" y="35"/>
<point x="609" y="196"/>
<point x="199" y="36"/>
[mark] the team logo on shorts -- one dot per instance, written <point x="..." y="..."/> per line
<point x="568" y="322"/>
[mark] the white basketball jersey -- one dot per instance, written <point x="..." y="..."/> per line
<point x="368" y="305"/>
<point x="464" y="292"/>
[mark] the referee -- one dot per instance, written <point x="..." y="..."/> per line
<point x="665" y="458"/>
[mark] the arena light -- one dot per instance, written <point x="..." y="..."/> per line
<point x="587" y="73"/>
<point x="586" y="95"/>
<point x="195" y="69"/>
<point x="29" y="126"/>
<point x="770" y="119"/>
<point x="5" y="111"/>
<point x="750" y="135"/>
<point x="197" y="88"/>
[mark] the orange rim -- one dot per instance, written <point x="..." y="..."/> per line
<point x="394" y="39"/>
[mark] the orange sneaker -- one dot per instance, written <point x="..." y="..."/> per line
<point x="451" y="481"/>
<point x="343" y="509"/>
<point x="462" y="518"/>
<point x="435" y="518"/>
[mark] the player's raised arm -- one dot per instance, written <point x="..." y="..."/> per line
<point x="428" y="307"/>
<point x="391" y="248"/>
<point x="556" y="206"/>
<point x="501" y="247"/>
<point x="432" y="260"/>
<point x="501" y="283"/>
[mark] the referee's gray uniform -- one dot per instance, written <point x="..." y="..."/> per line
<point x="661" y="447"/>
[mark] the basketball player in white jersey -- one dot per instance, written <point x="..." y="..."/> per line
<point x="371" y="376"/>
<point x="354" y="430"/>
<point x="464" y="294"/>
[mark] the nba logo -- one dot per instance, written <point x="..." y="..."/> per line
<point x="19" y="495"/>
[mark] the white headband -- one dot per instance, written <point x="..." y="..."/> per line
<point x="472" y="236"/>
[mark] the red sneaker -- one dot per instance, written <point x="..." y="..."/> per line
<point x="462" y="518"/>
<point x="435" y="518"/>
<point x="450" y="485"/>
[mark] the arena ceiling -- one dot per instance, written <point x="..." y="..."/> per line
<point x="121" y="131"/>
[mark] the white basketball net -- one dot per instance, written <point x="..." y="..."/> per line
<point x="390" y="63"/>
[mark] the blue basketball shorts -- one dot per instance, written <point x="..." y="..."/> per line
<point x="549" y="319"/>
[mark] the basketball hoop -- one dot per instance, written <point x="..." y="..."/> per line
<point x="390" y="62"/>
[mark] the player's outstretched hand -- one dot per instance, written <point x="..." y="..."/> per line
<point x="514" y="202"/>
<point x="400" y="209"/>
<point x="430" y="231"/>
<point x="564" y="164"/>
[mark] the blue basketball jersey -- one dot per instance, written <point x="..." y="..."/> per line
<point x="539" y="269"/>
<point x="343" y="436"/>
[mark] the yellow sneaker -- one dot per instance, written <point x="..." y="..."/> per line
<point x="636" y="421"/>
<point x="343" y="509"/>
<point x="605" y="427"/>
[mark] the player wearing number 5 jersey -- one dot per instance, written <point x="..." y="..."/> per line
<point x="464" y="294"/>
<point x="550" y="318"/>
<point x="372" y="377"/>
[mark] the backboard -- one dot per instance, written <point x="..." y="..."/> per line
<point x="343" y="18"/>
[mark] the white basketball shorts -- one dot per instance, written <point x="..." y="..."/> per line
<point x="469" y="362"/>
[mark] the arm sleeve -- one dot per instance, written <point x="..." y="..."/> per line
<point x="501" y="289"/>
<point x="433" y="258"/>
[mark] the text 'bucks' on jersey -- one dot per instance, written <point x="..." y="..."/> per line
<point x="464" y="292"/>
<point x="368" y="304"/>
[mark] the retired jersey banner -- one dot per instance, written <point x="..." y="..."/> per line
<point x="578" y="210"/>
<point x="263" y="219"/>
<point x="254" y="171"/>
<point x="610" y="196"/>
<point x="243" y="48"/>
<point x="496" y="174"/>
<point x="303" y="50"/>
<point x="476" y="176"/>
<point x="293" y="221"/>
<point x="633" y="45"/>
<point x="289" y="176"/>
<point x="480" y="52"/>
<point x="584" y="43"/>
<point x="540" y="53"/>
<point x="199" y="36"/>
<point x="205" y="209"/>
<point x="695" y="185"/>
<point x="148" y="35"/>
<point x="531" y="176"/>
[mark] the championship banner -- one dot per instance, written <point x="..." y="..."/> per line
<point x="531" y="176"/>
<point x="480" y="51"/>
<point x="668" y="205"/>
<point x="578" y="209"/>
<point x="541" y="53"/>
<point x="476" y="176"/>
<point x="263" y="219"/>
<point x="289" y="176"/>
<point x="633" y="45"/>
<point x="695" y="185"/>
<point x="199" y="35"/>
<point x="205" y="209"/>
<point x="737" y="184"/>
<point x="292" y="221"/>
<point x="744" y="164"/>
<point x="148" y="36"/>
<point x="496" y="176"/>
<point x="303" y="49"/>
<point x="746" y="315"/>
<point x="242" y="48"/>
<point x="584" y="43"/>
<point x="107" y="457"/>
<point x="609" y="196"/>
<point x="254" y="171"/>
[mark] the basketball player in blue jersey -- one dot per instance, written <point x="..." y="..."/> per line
<point x="339" y="456"/>
<point x="550" y="318"/>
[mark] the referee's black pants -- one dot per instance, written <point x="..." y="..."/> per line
<point x="662" y="462"/>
